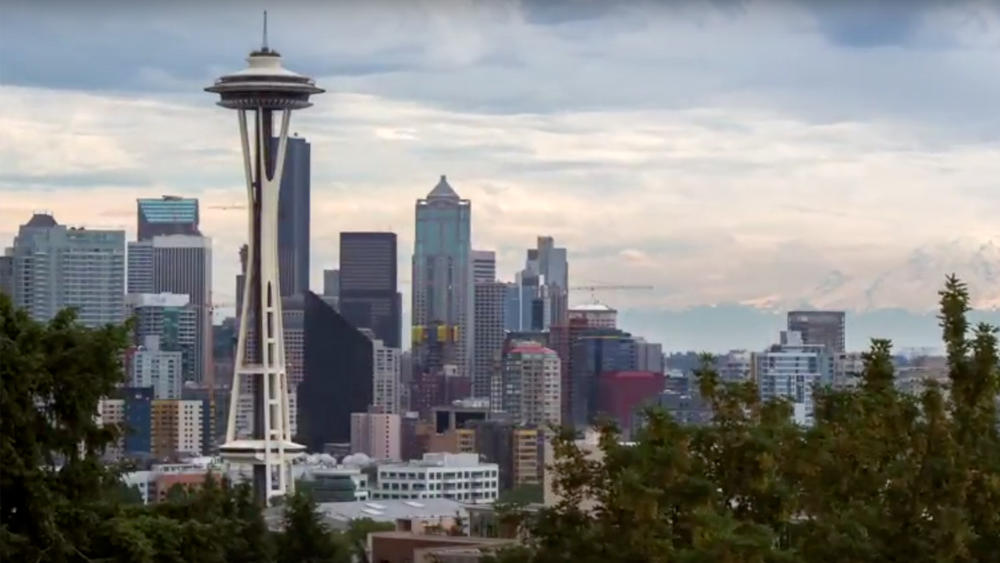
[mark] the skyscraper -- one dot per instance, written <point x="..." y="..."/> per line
<point x="488" y="335"/>
<point x="294" y="216"/>
<point x="530" y="389"/>
<point x="820" y="327"/>
<point x="595" y="351"/>
<point x="338" y="375"/>
<point x="169" y="215"/>
<point x="367" y="284"/>
<point x="484" y="266"/>
<point x="179" y="264"/>
<point x="442" y="282"/>
<point x="387" y="386"/>
<point x="55" y="267"/>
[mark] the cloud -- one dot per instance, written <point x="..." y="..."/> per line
<point x="721" y="152"/>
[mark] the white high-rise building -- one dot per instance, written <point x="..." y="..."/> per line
<point x="531" y="385"/>
<point x="484" y="266"/>
<point x="55" y="267"/>
<point x="376" y="435"/>
<point x="386" y="377"/>
<point x="159" y="369"/>
<point x="792" y="370"/>
<point x="460" y="477"/>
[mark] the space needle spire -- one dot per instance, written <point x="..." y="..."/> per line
<point x="265" y="91"/>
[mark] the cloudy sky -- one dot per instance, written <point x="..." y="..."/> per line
<point x="758" y="153"/>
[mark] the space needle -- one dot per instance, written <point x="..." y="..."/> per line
<point x="264" y="90"/>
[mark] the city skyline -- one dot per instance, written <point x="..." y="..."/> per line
<point x="833" y="158"/>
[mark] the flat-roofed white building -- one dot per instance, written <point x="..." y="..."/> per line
<point x="459" y="477"/>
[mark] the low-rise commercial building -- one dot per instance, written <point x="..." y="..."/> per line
<point x="459" y="477"/>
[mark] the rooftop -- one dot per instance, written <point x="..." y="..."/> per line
<point x="438" y="459"/>
<point x="531" y="348"/>
<point x="380" y="510"/>
<point x="41" y="220"/>
<point x="442" y="190"/>
<point x="592" y="308"/>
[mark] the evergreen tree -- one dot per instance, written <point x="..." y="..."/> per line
<point x="306" y="539"/>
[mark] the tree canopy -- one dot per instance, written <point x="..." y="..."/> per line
<point x="880" y="476"/>
<point x="60" y="503"/>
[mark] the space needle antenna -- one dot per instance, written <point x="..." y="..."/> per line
<point x="264" y="43"/>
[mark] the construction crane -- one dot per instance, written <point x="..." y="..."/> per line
<point x="595" y="288"/>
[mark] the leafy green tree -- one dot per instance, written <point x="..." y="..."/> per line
<point x="521" y="495"/>
<point x="52" y="376"/>
<point x="880" y="475"/>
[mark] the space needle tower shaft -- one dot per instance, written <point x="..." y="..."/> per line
<point x="265" y="93"/>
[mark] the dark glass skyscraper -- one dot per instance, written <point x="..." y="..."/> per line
<point x="367" y="284"/>
<point x="293" y="217"/>
<point x="337" y="375"/>
<point x="596" y="351"/>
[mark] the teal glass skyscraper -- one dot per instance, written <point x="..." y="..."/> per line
<point x="442" y="282"/>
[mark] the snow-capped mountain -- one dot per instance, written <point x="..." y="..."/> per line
<point x="911" y="283"/>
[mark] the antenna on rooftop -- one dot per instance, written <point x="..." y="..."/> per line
<point x="264" y="44"/>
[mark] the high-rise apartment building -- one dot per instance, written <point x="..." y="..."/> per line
<point x="157" y="368"/>
<point x="368" y="294"/>
<point x="294" y="217"/>
<point x="171" y="319"/>
<point x="55" y="267"/>
<point x="791" y="370"/>
<point x="488" y="335"/>
<point x="375" y="434"/>
<point x="442" y="282"/>
<point x="820" y="327"/>
<point x="179" y="264"/>
<point x="386" y="382"/>
<point x="177" y="428"/>
<point x="169" y="215"/>
<point x="484" y="266"/>
<point x="531" y="387"/>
